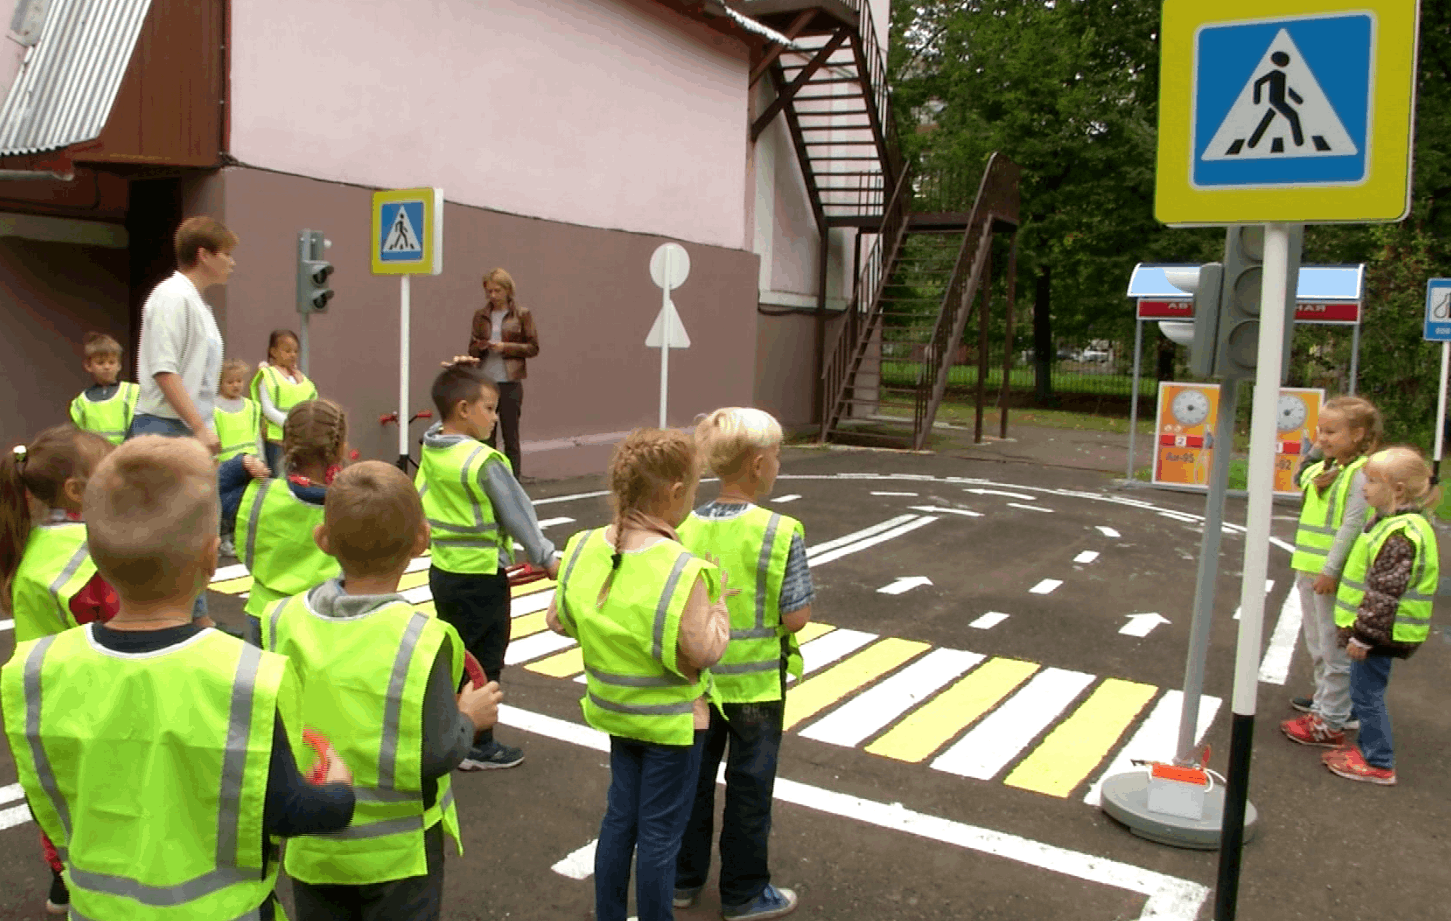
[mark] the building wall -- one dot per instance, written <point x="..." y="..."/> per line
<point x="604" y="113"/>
<point x="590" y="291"/>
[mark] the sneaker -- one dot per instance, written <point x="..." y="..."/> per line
<point x="491" y="757"/>
<point x="227" y="548"/>
<point x="771" y="903"/>
<point x="59" y="900"/>
<point x="1311" y="730"/>
<point x="1303" y="704"/>
<point x="686" y="898"/>
<point x="1350" y="764"/>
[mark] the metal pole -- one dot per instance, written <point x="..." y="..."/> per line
<point x="1208" y="568"/>
<point x="1441" y="410"/>
<point x="1256" y="561"/>
<point x="1354" y="356"/>
<point x="1134" y="397"/>
<point x="666" y="330"/>
<point x="1006" y="388"/>
<point x="403" y="333"/>
<point x="302" y="346"/>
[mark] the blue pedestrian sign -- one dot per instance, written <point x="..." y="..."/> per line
<point x="408" y="232"/>
<point x="402" y="237"/>
<point x="1438" y="310"/>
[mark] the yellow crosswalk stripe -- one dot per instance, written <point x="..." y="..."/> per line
<point x="1076" y="746"/>
<point x="938" y="721"/>
<point x="413" y="580"/>
<point x="811" y="631"/>
<point x="528" y="625"/>
<point x="519" y="591"/>
<point x="820" y="691"/>
<point x="565" y="664"/>
<point x="232" y="586"/>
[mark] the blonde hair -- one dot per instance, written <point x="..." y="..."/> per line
<point x="99" y="345"/>
<point x="728" y="438"/>
<point x="373" y="517"/>
<point x="151" y="511"/>
<point x="233" y="366"/>
<point x="315" y="431"/>
<point x="1403" y="465"/>
<point x="504" y="280"/>
<point x="643" y="469"/>
<point x="1358" y="413"/>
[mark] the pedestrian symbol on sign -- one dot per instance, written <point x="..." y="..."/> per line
<point x="1280" y="112"/>
<point x="402" y="237"/>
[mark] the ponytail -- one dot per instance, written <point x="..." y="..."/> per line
<point x="14" y="519"/>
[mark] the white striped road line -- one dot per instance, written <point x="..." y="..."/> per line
<point x="1156" y="738"/>
<point x="1269" y="587"/>
<point x="1107" y="531"/>
<point x="1031" y="508"/>
<point x="1179" y="516"/>
<point x="234" y="571"/>
<point x="855" y="536"/>
<point x="578" y="495"/>
<point x="528" y="604"/>
<point x="536" y="646"/>
<point x="551" y="522"/>
<point x="579" y="864"/>
<point x="1087" y="556"/>
<point x="829" y="647"/>
<point x="15" y="815"/>
<point x="1012" y="727"/>
<point x="869" y="712"/>
<point x="7" y="625"/>
<point x="880" y="493"/>
<point x="839" y="552"/>
<point x="989" y="620"/>
<point x="1275" y="666"/>
<point x="791" y="498"/>
<point x="11" y="792"/>
<point x="999" y="492"/>
<point x="1169" y="898"/>
<point x="418" y="595"/>
<point x="1046" y="586"/>
<point x="933" y="509"/>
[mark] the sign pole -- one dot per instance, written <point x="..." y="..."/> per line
<point x="404" y="308"/>
<point x="1134" y="397"/>
<point x="668" y="330"/>
<point x="1441" y="411"/>
<point x="1354" y="353"/>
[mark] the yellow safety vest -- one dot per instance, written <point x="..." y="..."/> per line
<point x="1320" y="515"/>
<point x="285" y="395"/>
<point x="110" y="419"/>
<point x="55" y="565"/>
<point x="238" y="431"/>
<point x="363" y="683"/>
<point x="274" y="530"/>
<point x="634" y="687"/>
<point x="149" y="773"/>
<point x="465" y="537"/>
<point x="752" y="548"/>
<point x="1413" y="615"/>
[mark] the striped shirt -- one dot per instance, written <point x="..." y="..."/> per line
<point x="797" y="590"/>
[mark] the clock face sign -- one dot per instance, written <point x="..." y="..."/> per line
<point x="1185" y="445"/>
<point x="1291" y="413"/>
<point x="1190" y="407"/>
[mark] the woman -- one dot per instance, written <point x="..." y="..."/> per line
<point x="503" y="337"/>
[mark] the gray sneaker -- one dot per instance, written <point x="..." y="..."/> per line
<point x="771" y="903"/>
<point x="686" y="898"/>
<point x="491" y="757"/>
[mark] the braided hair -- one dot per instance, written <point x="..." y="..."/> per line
<point x="315" y="433"/>
<point x="642" y="471"/>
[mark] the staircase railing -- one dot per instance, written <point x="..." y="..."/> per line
<point x="875" y="60"/>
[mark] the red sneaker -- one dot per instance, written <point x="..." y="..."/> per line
<point x="1351" y="764"/>
<point x="1311" y="730"/>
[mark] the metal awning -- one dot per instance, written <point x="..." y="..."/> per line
<point x="1318" y="283"/>
<point x="70" y="76"/>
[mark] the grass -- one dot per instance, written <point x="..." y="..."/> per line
<point x="905" y="374"/>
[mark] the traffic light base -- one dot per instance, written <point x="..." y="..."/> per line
<point x="1125" y="797"/>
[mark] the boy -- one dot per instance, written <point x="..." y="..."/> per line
<point x="378" y="676"/>
<point x="105" y="407"/>
<point x="238" y="422"/>
<point x="201" y="726"/>
<point x="477" y="510"/>
<point x="764" y="554"/>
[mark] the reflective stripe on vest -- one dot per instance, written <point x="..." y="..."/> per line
<point x="285" y="395"/>
<point x="377" y="729"/>
<point x="752" y="547"/>
<point x="1320" y="515"/>
<point x="465" y="537"/>
<point x="237" y="431"/>
<point x="55" y="566"/>
<point x="235" y="885"/>
<point x="1413" y="614"/>
<point x="108" y="418"/>
<point x="274" y="530"/>
<point x="629" y="649"/>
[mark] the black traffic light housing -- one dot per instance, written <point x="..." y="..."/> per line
<point x="313" y="272"/>
<point x="1227" y="305"/>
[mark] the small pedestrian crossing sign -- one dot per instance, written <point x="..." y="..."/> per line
<point x="408" y="232"/>
<point x="1286" y="110"/>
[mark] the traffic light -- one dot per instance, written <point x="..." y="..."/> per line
<point x="1238" y="336"/>
<point x="313" y="271"/>
<point x="1205" y="283"/>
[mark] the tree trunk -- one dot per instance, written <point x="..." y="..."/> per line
<point x="1043" y="354"/>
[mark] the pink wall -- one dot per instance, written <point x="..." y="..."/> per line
<point x="605" y="113"/>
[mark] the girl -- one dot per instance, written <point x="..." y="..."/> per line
<point x="275" y="518"/>
<point x="278" y="386"/>
<point x="50" y="583"/>
<point x="1332" y="515"/>
<point x="650" y="619"/>
<point x="1383" y="608"/>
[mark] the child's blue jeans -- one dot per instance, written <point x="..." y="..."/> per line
<point x="652" y="788"/>
<point x="1368" y="679"/>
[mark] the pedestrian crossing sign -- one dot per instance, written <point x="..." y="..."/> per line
<point x="408" y="232"/>
<point x="1286" y="110"/>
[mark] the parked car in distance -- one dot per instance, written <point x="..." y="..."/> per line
<point x="1093" y="355"/>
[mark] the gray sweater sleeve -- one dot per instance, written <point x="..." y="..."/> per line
<point x="447" y="733"/>
<point x="273" y="414"/>
<point x="1351" y="525"/>
<point x="514" y="512"/>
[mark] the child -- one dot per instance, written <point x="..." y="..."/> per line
<point x="1383" y="608"/>
<point x="161" y="761"/>
<point x="238" y="422"/>
<point x="105" y="407"/>
<point x="50" y="582"/>
<point x="766" y="554"/>
<point x="378" y="677"/>
<point x="650" y="620"/>
<point x="278" y="386"/>
<point x="275" y="518"/>
<point x="477" y="510"/>
<point x="1332" y="515"/>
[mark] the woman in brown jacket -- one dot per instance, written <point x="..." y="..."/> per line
<point x="502" y="338"/>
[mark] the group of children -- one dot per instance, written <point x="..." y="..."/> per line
<point x="1367" y="569"/>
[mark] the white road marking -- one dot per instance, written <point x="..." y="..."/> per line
<point x="536" y="646"/>
<point x="1030" y="508"/>
<point x="578" y="495"/>
<point x="579" y="864"/>
<point x="1156" y="738"/>
<point x="1180" y="516"/>
<point x="904" y="584"/>
<point x="791" y="498"/>
<point x="965" y="512"/>
<point x="1269" y="587"/>
<point x="551" y="522"/>
<point x="867" y="713"/>
<point x="15" y="815"/>
<point x="1087" y="556"/>
<point x="829" y="647"/>
<point x="11" y="792"/>
<point x="1046" y="586"/>
<point x="1142" y="625"/>
<point x="1169" y="898"/>
<point x="989" y="620"/>
<point x="234" y="571"/>
<point x="1275" y="666"/>
<point x="855" y="536"/>
<point x="417" y="595"/>
<point x="7" y="625"/>
<point x="528" y="604"/>
<point x="898" y="531"/>
<point x="998" y="492"/>
<point x="1108" y="532"/>
<point x="880" y="493"/>
<point x="1003" y="734"/>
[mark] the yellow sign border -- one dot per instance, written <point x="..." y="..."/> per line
<point x="431" y="262"/>
<point x="1385" y="195"/>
